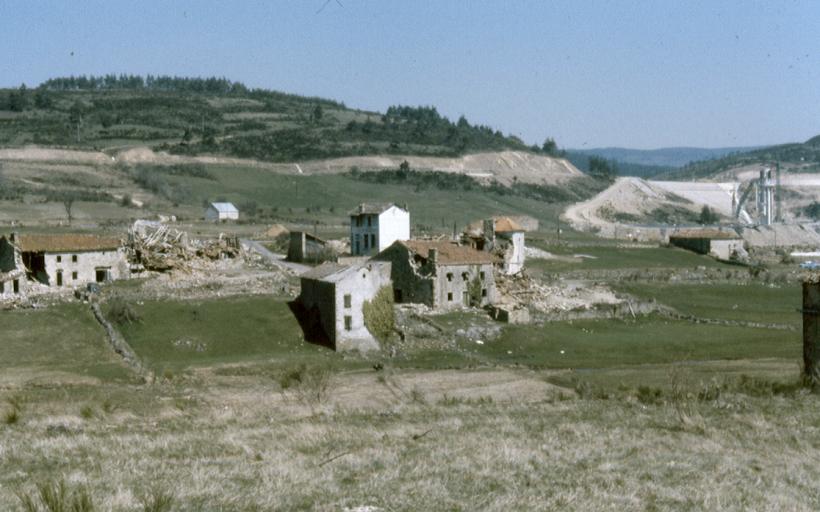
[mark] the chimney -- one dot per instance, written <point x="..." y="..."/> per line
<point x="489" y="233"/>
<point x="432" y="255"/>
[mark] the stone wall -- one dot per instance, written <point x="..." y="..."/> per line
<point x="79" y="268"/>
<point x="452" y="285"/>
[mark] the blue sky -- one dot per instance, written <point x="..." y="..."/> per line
<point x="588" y="73"/>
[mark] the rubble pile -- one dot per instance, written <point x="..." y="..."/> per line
<point x="158" y="247"/>
<point x="521" y="291"/>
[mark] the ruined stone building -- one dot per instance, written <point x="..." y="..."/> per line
<point x="719" y="244"/>
<point x="501" y="236"/>
<point x="60" y="260"/>
<point x="440" y="274"/>
<point x="333" y="297"/>
<point x="221" y="211"/>
<point x="374" y="227"/>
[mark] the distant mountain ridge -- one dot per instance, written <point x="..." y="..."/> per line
<point x="662" y="157"/>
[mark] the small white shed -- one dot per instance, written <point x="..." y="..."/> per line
<point x="221" y="211"/>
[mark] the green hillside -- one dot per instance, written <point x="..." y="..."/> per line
<point x="221" y="117"/>
<point x="661" y="157"/>
<point x="805" y="156"/>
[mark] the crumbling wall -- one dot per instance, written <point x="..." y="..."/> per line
<point x="412" y="281"/>
<point x="453" y="283"/>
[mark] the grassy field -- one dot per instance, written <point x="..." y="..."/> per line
<point x="62" y="342"/>
<point x="637" y="414"/>
<point x="601" y="257"/>
<point x="754" y="302"/>
<point x="174" y="335"/>
<point x="486" y="440"/>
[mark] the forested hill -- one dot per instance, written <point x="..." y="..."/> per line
<point x="804" y="157"/>
<point x="662" y="157"/>
<point x="220" y="116"/>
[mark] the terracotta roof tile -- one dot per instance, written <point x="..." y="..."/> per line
<point x="448" y="252"/>
<point x="67" y="242"/>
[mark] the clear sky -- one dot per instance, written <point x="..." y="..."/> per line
<point x="588" y="73"/>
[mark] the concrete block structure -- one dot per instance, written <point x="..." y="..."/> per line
<point x="440" y="274"/>
<point x="306" y="247"/>
<point x="333" y="296"/>
<point x="221" y="211"/>
<point x="374" y="227"/>
<point x="719" y="244"/>
<point x="61" y="260"/>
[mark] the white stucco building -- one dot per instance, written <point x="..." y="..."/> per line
<point x="374" y="227"/>
<point x="58" y="260"/>
<point x="333" y="299"/>
<point x="221" y="211"/>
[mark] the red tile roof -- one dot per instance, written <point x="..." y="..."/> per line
<point x="448" y="252"/>
<point x="66" y="243"/>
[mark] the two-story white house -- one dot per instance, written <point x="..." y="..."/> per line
<point x="374" y="227"/>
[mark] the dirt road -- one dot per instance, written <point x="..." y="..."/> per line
<point x="274" y="258"/>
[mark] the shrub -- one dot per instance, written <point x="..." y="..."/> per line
<point x="309" y="384"/>
<point x="379" y="317"/>
<point x="157" y="500"/>
<point x="122" y="312"/>
<point x="56" y="496"/>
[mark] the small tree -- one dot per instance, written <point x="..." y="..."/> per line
<point x="707" y="216"/>
<point x="601" y="168"/>
<point x="550" y="147"/>
<point x="316" y="114"/>
<point x="378" y="314"/>
<point x="68" y="204"/>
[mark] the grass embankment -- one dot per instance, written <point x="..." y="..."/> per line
<point x="173" y="335"/>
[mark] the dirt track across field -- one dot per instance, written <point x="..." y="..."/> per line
<point x="505" y="167"/>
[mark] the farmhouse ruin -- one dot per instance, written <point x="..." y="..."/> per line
<point x="57" y="260"/>
<point x="440" y="274"/>
<point x="501" y="236"/>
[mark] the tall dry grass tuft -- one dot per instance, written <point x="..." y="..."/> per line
<point x="56" y="496"/>
<point x="685" y="403"/>
<point x="15" y="407"/>
<point x="157" y="500"/>
<point x="307" y="384"/>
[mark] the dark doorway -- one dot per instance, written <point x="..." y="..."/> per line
<point x="59" y="278"/>
<point x="397" y="296"/>
<point x="101" y="275"/>
<point x="16" y="286"/>
<point x="35" y="263"/>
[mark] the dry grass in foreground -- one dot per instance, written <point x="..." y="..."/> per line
<point x="401" y="440"/>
